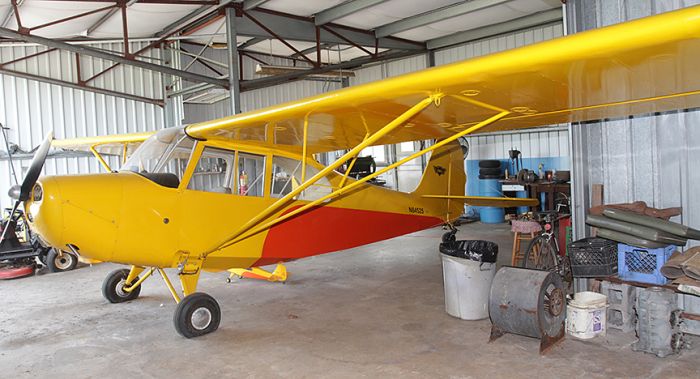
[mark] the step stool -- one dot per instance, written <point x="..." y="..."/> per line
<point x="523" y="230"/>
<point x="621" y="300"/>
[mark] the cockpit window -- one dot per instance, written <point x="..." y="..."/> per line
<point x="286" y="177"/>
<point x="214" y="172"/>
<point x="165" y="154"/>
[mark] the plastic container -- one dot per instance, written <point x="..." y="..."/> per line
<point x="586" y="315"/>
<point x="491" y="215"/>
<point x="522" y="195"/>
<point x="468" y="268"/>
<point x="593" y="258"/>
<point x="467" y="287"/>
<point x="640" y="264"/>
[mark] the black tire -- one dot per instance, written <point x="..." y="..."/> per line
<point x="489" y="176"/>
<point x="490" y="171"/>
<point x="112" y="287"/>
<point x="541" y="255"/>
<point x="60" y="262"/>
<point x="196" y="315"/>
<point x="490" y="163"/>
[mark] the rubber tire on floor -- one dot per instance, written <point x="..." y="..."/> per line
<point x="490" y="163"/>
<point x="185" y="309"/>
<point x="490" y="171"/>
<point x="53" y="256"/>
<point x="489" y="176"/>
<point x="112" y="281"/>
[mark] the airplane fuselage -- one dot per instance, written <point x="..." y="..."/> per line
<point x="127" y="217"/>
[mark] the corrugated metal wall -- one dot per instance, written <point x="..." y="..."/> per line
<point x="31" y="109"/>
<point x="642" y="158"/>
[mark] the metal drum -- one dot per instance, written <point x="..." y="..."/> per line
<point x="528" y="302"/>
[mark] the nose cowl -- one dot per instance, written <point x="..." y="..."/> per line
<point x="82" y="211"/>
<point x="45" y="214"/>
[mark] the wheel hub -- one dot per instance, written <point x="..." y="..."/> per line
<point x="63" y="262"/>
<point x="120" y="289"/>
<point x="201" y="318"/>
<point x="554" y="302"/>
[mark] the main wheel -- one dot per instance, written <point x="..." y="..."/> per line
<point x="196" y="315"/>
<point x="113" y="287"/>
<point x="60" y="262"/>
<point x="540" y="255"/>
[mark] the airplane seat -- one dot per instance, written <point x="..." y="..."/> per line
<point x="165" y="179"/>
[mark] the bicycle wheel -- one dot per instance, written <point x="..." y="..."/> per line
<point x="541" y="255"/>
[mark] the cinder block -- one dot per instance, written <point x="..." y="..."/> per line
<point x="621" y="301"/>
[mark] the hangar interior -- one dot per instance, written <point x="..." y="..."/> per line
<point x="92" y="68"/>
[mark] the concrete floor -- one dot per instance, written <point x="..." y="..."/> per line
<point x="375" y="311"/>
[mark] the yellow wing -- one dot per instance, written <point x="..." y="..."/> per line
<point x="106" y="145"/>
<point x="644" y="66"/>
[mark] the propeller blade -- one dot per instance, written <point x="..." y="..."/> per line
<point x="9" y="220"/>
<point x="35" y="168"/>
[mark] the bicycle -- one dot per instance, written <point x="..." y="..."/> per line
<point x="543" y="251"/>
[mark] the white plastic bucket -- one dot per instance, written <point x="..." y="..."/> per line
<point x="467" y="287"/>
<point x="586" y="315"/>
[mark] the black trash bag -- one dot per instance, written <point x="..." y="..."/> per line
<point x="476" y="250"/>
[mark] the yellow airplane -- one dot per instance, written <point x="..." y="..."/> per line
<point x="244" y="191"/>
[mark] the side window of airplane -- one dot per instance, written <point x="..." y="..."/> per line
<point x="286" y="176"/>
<point x="251" y="174"/>
<point x="214" y="171"/>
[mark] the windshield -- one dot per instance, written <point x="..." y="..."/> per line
<point x="167" y="151"/>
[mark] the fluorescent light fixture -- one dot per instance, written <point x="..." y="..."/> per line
<point x="279" y="70"/>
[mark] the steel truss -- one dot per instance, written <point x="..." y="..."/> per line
<point x="253" y="22"/>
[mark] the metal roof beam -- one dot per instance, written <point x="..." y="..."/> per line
<point x="248" y="85"/>
<point x="310" y="50"/>
<point x="351" y="64"/>
<point x="11" y="14"/>
<point x="303" y="29"/>
<point x="532" y="20"/>
<point x="344" y="9"/>
<point x="191" y="17"/>
<point x="83" y="87"/>
<point x="436" y="15"/>
<point x="252" y="4"/>
<point x="106" y="17"/>
<point x="251" y="42"/>
<point x="89" y="51"/>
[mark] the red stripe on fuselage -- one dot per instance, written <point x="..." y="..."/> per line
<point x="327" y="229"/>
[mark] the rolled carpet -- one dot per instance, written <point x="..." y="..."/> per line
<point x="636" y="230"/>
<point x="629" y="239"/>
<point x="691" y="266"/>
<point x="666" y="226"/>
<point x="672" y="268"/>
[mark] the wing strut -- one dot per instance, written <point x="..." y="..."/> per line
<point x="399" y="121"/>
<point x="100" y="158"/>
<point x="248" y="230"/>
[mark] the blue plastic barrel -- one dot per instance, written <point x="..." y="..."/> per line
<point x="522" y="195"/>
<point x="491" y="215"/>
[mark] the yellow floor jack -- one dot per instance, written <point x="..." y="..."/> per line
<point x="278" y="275"/>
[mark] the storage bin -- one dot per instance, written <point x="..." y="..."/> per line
<point x="593" y="258"/>
<point x="641" y="264"/>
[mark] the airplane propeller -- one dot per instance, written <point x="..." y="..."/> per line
<point x="22" y="192"/>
